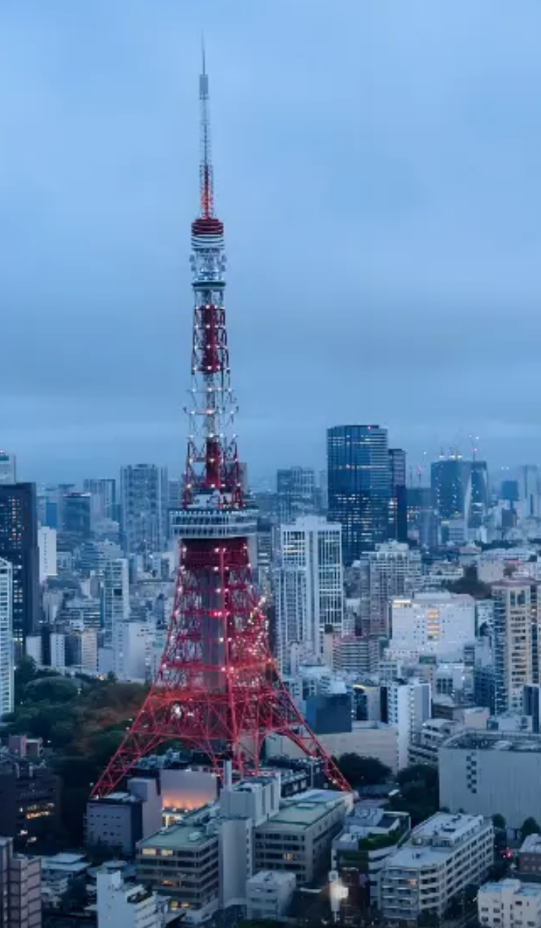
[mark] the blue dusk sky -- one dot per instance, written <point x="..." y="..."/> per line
<point x="377" y="166"/>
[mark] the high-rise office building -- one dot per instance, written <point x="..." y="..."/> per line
<point x="422" y="519"/>
<point x="516" y="634"/>
<point x="529" y="489"/>
<point x="47" y="553"/>
<point x="392" y="570"/>
<point x="115" y="596"/>
<point x="449" y="480"/>
<point x="104" y="501"/>
<point x="398" y="510"/>
<point x="19" y="546"/>
<point x="6" y="638"/>
<point x="144" y="496"/>
<point x="8" y="469"/>
<point x="297" y="493"/>
<point x="309" y="586"/>
<point x="477" y="493"/>
<point x="359" y="486"/>
<point x="77" y="515"/>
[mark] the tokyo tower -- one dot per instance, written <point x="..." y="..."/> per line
<point x="217" y="689"/>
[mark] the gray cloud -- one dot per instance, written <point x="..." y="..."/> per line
<point x="376" y="168"/>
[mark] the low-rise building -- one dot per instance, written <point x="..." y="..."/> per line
<point x="487" y="772"/>
<point x="269" y="894"/>
<point x="20" y="888"/>
<point x="509" y="904"/>
<point x="530" y="856"/>
<point x="182" y="862"/>
<point x="359" y="852"/>
<point x="121" y="819"/>
<point x="443" y="856"/>
<point x="120" y="905"/>
<point x="29" y="799"/>
<point x="299" y="837"/>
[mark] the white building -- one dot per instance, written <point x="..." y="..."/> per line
<point x="408" y="708"/>
<point x="269" y="894"/>
<point x="130" y="650"/>
<point x="6" y="638"/>
<point x="486" y="772"/>
<point x="438" y="623"/>
<point x="392" y="570"/>
<point x="121" y="905"/>
<point x="310" y="586"/>
<point x="57" y="645"/>
<point x="516" y="624"/>
<point x="443" y="856"/>
<point x="115" y="595"/>
<point x="47" y="553"/>
<point x="82" y="649"/>
<point x="509" y="904"/>
<point x="8" y="469"/>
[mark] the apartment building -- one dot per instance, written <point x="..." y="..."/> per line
<point x="509" y="904"/>
<point x="443" y="856"/>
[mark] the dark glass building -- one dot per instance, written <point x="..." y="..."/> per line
<point x="422" y="519"/>
<point x="398" y="511"/>
<point x="477" y="495"/>
<point x="359" y="486"/>
<point x="19" y="545"/>
<point x="449" y="477"/>
<point x="77" y="511"/>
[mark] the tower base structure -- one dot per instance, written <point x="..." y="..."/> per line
<point x="218" y="691"/>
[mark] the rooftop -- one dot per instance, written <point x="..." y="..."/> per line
<point x="301" y="814"/>
<point x="176" y="837"/>
<point x="493" y="741"/>
<point x="433" y="841"/>
<point x="269" y="877"/>
<point x="514" y="886"/>
<point x="531" y="845"/>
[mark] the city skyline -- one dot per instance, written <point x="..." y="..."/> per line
<point x="435" y="198"/>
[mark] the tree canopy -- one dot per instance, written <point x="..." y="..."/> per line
<point x="363" y="771"/>
<point x="529" y="827"/>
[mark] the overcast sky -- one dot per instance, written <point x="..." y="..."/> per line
<point x="378" y="171"/>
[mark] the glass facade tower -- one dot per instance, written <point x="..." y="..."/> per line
<point x="359" y="482"/>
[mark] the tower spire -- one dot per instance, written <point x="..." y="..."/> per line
<point x="205" y="168"/>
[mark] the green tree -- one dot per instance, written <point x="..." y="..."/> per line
<point x="529" y="827"/>
<point x="363" y="771"/>
<point x="419" y="773"/>
<point x="50" y="689"/>
<point x="499" y="821"/>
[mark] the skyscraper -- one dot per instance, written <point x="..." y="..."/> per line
<point x="449" y="480"/>
<point x="297" y="492"/>
<point x="77" y="521"/>
<point x="398" y="511"/>
<point x="422" y="520"/>
<point x="359" y="486"/>
<point x="115" y="596"/>
<point x="104" y="502"/>
<point x="6" y="638"/>
<point x="19" y="546"/>
<point x="529" y="489"/>
<point x="516" y="627"/>
<point x="8" y="470"/>
<point x="310" y="586"/>
<point x="477" y="493"/>
<point x="144" y="495"/>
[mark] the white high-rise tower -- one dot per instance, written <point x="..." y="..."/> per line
<point x="6" y="638"/>
<point x="310" y="586"/>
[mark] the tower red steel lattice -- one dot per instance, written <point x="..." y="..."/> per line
<point x="217" y="689"/>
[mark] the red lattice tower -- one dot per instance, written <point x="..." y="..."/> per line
<point x="217" y="689"/>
